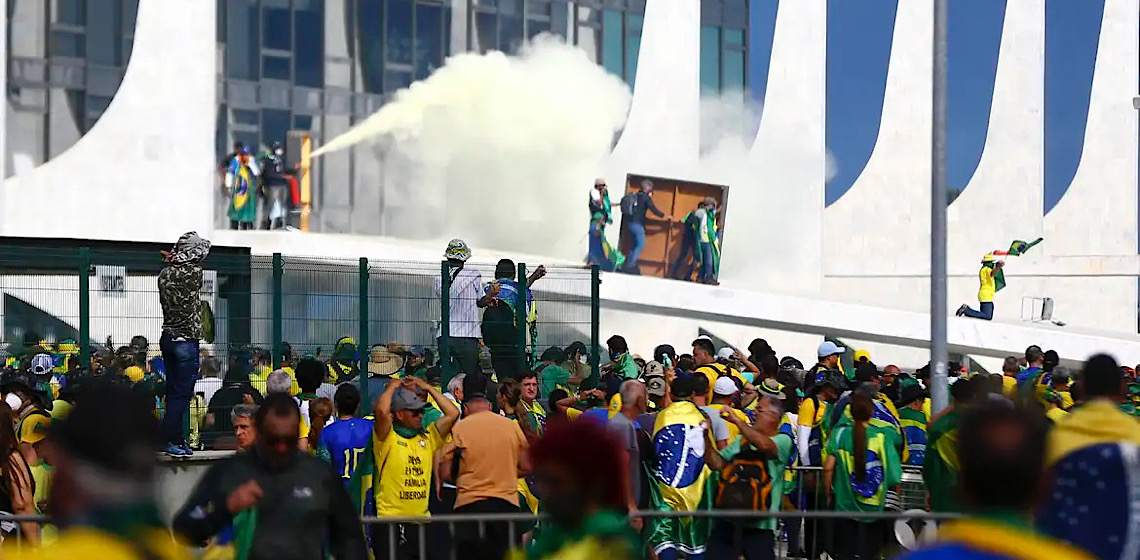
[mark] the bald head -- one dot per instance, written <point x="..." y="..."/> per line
<point x="633" y="396"/>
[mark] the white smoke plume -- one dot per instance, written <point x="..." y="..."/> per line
<point x="497" y="149"/>
<point x="766" y="245"/>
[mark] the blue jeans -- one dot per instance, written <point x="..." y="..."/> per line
<point x="181" y="358"/>
<point x="637" y="231"/>
<point x="986" y="311"/>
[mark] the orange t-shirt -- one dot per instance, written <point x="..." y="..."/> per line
<point x="488" y="467"/>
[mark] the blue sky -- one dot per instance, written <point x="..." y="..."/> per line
<point x="858" y="51"/>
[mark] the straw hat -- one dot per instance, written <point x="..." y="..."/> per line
<point x="382" y="361"/>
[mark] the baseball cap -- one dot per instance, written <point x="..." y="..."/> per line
<point x="725" y="353"/>
<point x="41" y="364"/>
<point x="724" y="387"/>
<point x="862" y="355"/>
<point x="654" y="369"/>
<point x="403" y="399"/>
<point x="829" y="348"/>
<point x="655" y="386"/>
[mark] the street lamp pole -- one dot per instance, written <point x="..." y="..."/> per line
<point x="939" y="386"/>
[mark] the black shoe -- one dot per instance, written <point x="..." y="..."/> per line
<point x="961" y="311"/>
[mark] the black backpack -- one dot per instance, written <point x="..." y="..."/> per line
<point x="745" y="483"/>
<point x="628" y="204"/>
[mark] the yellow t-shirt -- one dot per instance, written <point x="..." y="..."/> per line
<point x="809" y="416"/>
<point x="988" y="287"/>
<point x="1009" y="386"/>
<point x="573" y="413"/>
<point x="1056" y="414"/>
<point x="405" y="466"/>
<point x="1066" y="399"/>
<point x="714" y="370"/>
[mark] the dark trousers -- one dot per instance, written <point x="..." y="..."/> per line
<point x="464" y="354"/>
<point x="181" y="359"/>
<point x="401" y="538"/>
<point x="505" y="361"/>
<point x="495" y="539"/>
<point x="683" y="266"/>
<point x="440" y="541"/>
<point x="729" y="540"/>
<point x="855" y="540"/>
<point x="815" y="530"/>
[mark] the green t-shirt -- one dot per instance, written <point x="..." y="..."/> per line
<point x="776" y="468"/>
<point x="940" y="467"/>
<point x="553" y="376"/>
<point x="883" y="468"/>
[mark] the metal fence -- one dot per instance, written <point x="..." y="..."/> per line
<point x="85" y="301"/>
<point x="435" y="537"/>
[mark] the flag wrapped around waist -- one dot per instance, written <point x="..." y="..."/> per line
<point x="679" y="440"/>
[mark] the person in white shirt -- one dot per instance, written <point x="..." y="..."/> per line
<point x="464" y="316"/>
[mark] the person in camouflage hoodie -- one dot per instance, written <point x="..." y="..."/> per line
<point x="179" y="285"/>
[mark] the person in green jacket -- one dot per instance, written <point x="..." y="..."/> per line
<point x="940" y="469"/>
<point x="862" y="463"/>
<point x="621" y="361"/>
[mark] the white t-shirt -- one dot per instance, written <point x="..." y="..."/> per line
<point x="466" y="290"/>
<point x="208" y="386"/>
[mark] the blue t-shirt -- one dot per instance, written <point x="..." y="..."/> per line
<point x="345" y="441"/>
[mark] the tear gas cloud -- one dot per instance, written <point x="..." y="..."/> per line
<point x="497" y="149"/>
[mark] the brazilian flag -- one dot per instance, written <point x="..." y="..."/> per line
<point x="1018" y="247"/>
<point x="999" y="278"/>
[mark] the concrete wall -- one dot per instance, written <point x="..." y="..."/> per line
<point x="145" y="171"/>
<point x="151" y="156"/>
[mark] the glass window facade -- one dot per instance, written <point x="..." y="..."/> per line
<point x="65" y="62"/>
<point x="316" y="65"/>
<point x="724" y="48"/>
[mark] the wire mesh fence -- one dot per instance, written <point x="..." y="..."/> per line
<point x="96" y="304"/>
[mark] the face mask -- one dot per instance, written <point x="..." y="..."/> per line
<point x="582" y="359"/>
<point x="14" y="401"/>
<point x="615" y="356"/>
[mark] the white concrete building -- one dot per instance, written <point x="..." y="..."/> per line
<point x="144" y="169"/>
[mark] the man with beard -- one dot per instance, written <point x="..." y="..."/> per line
<point x="282" y="503"/>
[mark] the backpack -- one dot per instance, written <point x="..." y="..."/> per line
<point x="628" y="204"/>
<point x="745" y="483"/>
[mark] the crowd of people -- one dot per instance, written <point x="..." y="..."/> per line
<point x="247" y="177"/>
<point x="633" y="460"/>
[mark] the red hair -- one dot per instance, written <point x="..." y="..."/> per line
<point x="592" y="454"/>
